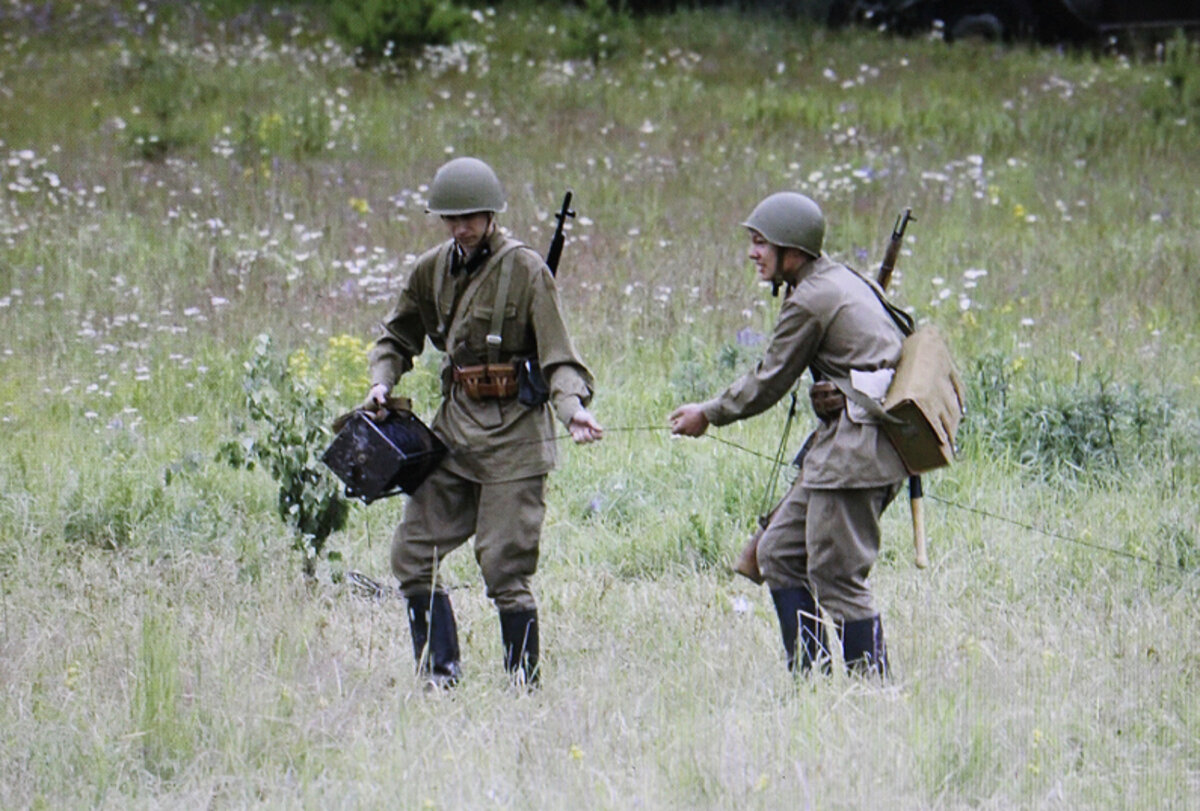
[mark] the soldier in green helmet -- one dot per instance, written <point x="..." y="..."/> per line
<point x="817" y="549"/>
<point x="489" y="303"/>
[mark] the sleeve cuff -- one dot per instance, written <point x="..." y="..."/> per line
<point x="715" y="413"/>
<point x="567" y="407"/>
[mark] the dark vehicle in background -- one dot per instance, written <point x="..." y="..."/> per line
<point x="1041" y="20"/>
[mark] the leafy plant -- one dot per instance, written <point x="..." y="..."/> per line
<point x="286" y="399"/>
<point x="165" y="89"/>
<point x="108" y="515"/>
<point x="1178" y="95"/>
<point x="1092" y="430"/>
<point x="596" y="31"/>
<point x="302" y="131"/>
<point x="380" y="30"/>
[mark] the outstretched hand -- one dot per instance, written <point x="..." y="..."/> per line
<point x="584" y="428"/>
<point x="688" y="420"/>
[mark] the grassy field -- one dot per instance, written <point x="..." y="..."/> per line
<point x="172" y="186"/>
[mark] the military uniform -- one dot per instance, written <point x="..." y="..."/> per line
<point x="491" y="482"/>
<point x="824" y="537"/>
<point x="492" y="441"/>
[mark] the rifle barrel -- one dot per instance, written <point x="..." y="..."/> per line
<point x="556" y="242"/>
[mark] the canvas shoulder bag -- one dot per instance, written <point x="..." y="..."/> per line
<point x="925" y="401"/>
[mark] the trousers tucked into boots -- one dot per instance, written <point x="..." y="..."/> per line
<point x="799" y="621"/>
<point x="863" y="647"/>
<point x="434" y="637"/>
<point x="519" y="631"/>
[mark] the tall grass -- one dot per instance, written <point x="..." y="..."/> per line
<point x="159" y="645"/>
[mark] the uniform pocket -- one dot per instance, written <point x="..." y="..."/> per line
<point x="480" y="324"/>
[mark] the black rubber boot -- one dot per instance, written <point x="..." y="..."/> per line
<point x="798" y="621"/>
<point x="434" y="638"/>
<point x="863" y="647"/>
<point x="519" y="630"/>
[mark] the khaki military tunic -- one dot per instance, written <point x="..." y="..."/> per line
<point x="489" y="440"/>
<point x="492" y="480"/>
<point x="825" y="534"/>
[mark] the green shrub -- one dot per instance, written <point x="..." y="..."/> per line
<point x="286" y="402"/>
<point x="1095" y="430"/>
<point x="166" y="92"/>
<point x="596" y="31"/>
<point x="301" y="132"/>
<point x="1177" y="97"/>
<point x="108" y="514"/>
<point x="381" y="30"/>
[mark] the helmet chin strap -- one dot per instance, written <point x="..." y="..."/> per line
<point x="776" y="277"/>
<point x="777" y="280"/>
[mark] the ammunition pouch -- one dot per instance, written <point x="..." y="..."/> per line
<point x="487" y="381"/>
<point x="827" y="401"/>
<point x="522" y="378"/>
<point x="532" y="390"/>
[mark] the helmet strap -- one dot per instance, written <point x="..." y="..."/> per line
<point x="776" y="277"/>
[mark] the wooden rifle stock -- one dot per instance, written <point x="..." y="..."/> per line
<point x="915" y="490"/>
<point x="893" y="249"/>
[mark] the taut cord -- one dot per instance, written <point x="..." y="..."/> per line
<point x="777" y="463"/>
<point x="1046" y="532"/>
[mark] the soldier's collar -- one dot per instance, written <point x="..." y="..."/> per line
<point x="810" y="267"/>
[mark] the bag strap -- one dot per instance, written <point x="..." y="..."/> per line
<point x="439" y="295"/>
<point x="494" y="337"/>
<point x="468" y="295"/>
<point x="903" y="320"/>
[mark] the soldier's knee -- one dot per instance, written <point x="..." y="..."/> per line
<point x="413" y="562"/>
<point x="772" y="560"/>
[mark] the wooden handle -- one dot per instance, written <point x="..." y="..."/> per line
<point x="918" y="521"/>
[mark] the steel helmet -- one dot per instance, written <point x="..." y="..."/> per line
<point x="790" y="220"/>
<point x="465" y="186"/>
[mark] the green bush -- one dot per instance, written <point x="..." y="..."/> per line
<point x="167" y="93"/>
<point x="1096" y="430"/>
<point x="107" y="514"/>
<point x="1177" y="97"/>
<point x="302" y="131"/>
<point x="287" y="406"/>
<point x="380" y="30"/>
<point x="596" y="31"/>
